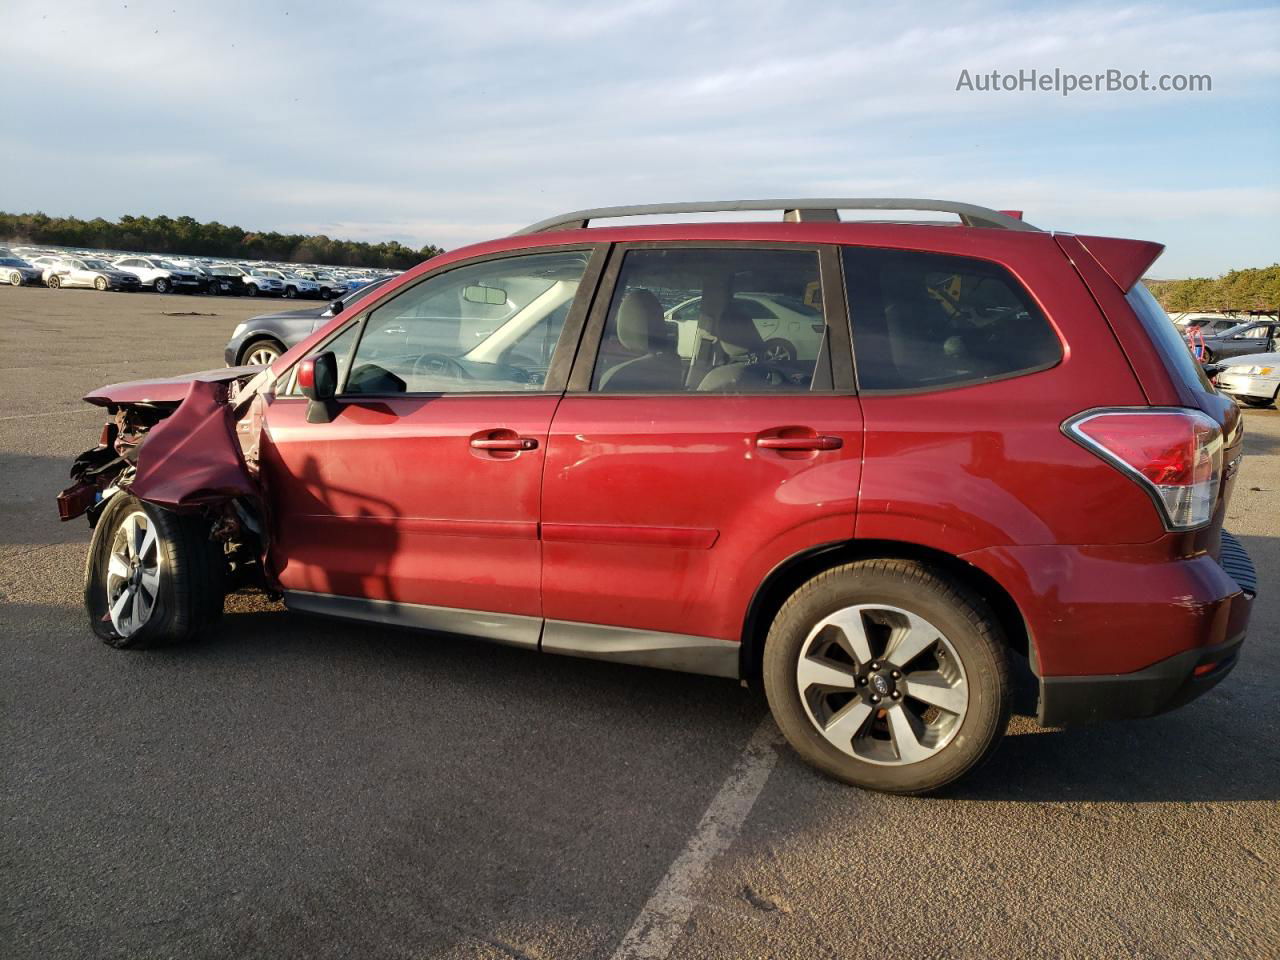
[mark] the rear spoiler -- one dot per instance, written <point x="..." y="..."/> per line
<point x="1124" y="261"/>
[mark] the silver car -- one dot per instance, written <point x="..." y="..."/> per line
<point x="16" y="271"/>
<point x="1253" y="379"/>
<point x="89" y="272"/>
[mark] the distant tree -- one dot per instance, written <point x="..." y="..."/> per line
<point x="186" y="235"/>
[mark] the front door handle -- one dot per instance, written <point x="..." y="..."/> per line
<point x="800" y="443"/>
<point x="509" y="444"/>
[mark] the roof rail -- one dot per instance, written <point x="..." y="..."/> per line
<point x="793" y="211"/>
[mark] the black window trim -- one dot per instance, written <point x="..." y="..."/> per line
<point x="839" y="347"/>
<point x="561" y="358"/>
<point x="950" y="384"/>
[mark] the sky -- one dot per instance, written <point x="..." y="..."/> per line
<point x="450" y="123"/>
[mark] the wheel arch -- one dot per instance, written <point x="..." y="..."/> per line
<point x="786" y="578"/>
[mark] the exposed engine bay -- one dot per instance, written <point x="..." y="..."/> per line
<point x="190" y="446"/>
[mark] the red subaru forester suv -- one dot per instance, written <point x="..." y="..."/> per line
<point x="882" y="468"/>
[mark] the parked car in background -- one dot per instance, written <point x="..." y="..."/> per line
<point x="16" y="271"/>
<point x="789" y="328"/>
<point x="329" y="285"/>
<point x="1253" y="379"/>
<point x="227" y="280"/>
<point x="1026" y="483"/>
<point x="295" y="285"/>
<point x="254" y="283"/>
<point x="1255" y="336"/>
<point x="1209" y="326"/>
<point x="161" y="275"/>
<point x="44" y="262"/>
<point x="261" y="340"/>
<point x="89" y="272"/>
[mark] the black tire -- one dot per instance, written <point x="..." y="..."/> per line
<point x="291" y="292"/>
<point x="161" y="284"/>
<point x="15" y="279"/>
<point x="192" y="577"/>
<point x="1258" y="402"/>
<point x="250" y="289"/>
<point x="959" y="615"/>
<point x="54" y="282"/>
<point x="778" y="350"/>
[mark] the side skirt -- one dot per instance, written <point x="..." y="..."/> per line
<point x="645" y="648"/>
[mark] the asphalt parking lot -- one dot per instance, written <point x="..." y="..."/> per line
<point x="294" y="787"/>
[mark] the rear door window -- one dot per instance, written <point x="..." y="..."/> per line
<point x="924" y="321"/>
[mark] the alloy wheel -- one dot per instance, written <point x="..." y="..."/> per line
<point x="133" y="574"/>
<point x="882" y="684"/>
<point x="261" y="354"/>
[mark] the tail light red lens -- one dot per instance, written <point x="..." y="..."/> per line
<point x="1176" y="455"/>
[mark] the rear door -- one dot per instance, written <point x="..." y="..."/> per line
<point x="683" y="464"/>
<point x="418" y="502"/>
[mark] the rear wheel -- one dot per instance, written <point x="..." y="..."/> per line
<point x="15" y="279"/>
<point x="888" y="676"/>
<point x="153" y="577"/>
<point x="54" y="282"/>
<point x="99" y="283"/>
<point x="251" y="289"/>
<point x="161" y="285"/>
<point x="262" y="352"/>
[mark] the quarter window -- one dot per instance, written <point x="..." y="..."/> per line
<point x="925" y="321"/>
<point x="714" y="321"/>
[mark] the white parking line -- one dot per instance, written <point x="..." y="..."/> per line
<point x="659" y="925"/>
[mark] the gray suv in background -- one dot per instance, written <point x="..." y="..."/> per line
<point x="259" y="340"/>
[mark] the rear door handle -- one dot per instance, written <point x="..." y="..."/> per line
<point x="514" y="444"/>
<point x="800" y="443"/>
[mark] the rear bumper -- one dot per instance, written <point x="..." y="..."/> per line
<point x="1170" y="682"/>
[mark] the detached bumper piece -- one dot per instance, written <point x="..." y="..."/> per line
<point x="1162" y="686"/>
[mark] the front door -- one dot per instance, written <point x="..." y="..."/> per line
<point x="684" y="462"/>
<point x="418" y="502"/>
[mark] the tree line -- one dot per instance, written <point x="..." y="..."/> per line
<point x="1238" y="291"/>
<point x="186" y="235"/>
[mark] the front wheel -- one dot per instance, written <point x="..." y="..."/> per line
<point x="251" y="290"/>
<point x="262" y="353"/>
<point x="290" y="292"/>
<point x="153" y="577"/>
<point x="15" y="279"/>
<point x="53" y="283"/>
<point x="99" y="283"/>
<point x="886" y="675"/>
<point x="161" y="285"/>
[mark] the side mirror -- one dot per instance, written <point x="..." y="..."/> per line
<point x="335" y="307"/>
<point x="318" y="381"/>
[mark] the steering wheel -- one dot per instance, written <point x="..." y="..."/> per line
<point x="438" y="364"/>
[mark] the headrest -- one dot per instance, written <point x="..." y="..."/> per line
<point x="641" y="327"/>
<point x="738" y="333"/>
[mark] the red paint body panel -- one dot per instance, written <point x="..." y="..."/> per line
<point x="1125" y="261"/>
<point x="1116" y="609"/>
<point x="390" y="502"/>
<point x="193" y="458"/>
<point x="636" y="486"/>
<point x="170" y="390"/>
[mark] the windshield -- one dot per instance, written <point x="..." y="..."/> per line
<point x="98" y="265"/>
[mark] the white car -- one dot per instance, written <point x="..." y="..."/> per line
<point x="160" y="275"/>
<point x="330" y="286"/>
<point x="15" y="271"/>
<point x="88" y="272"/>
<point x="1253" y="379"/>
<point x="789" y="327"/>
<point x="293" y="285"/>
<point x="255" y="281"/>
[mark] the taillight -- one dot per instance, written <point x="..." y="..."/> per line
<point x="1174" y="454"/>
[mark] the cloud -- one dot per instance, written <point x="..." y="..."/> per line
<point x="439" y="122"/>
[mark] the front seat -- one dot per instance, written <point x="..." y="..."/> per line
<point x="641" y="329"/>
<point x="740" y="348"/>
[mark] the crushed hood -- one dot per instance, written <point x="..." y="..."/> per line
<point x="166" y="391"/>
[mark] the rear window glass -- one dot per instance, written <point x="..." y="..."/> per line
<point x="926" y="321"/>
<point x="1169" y="343"/>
